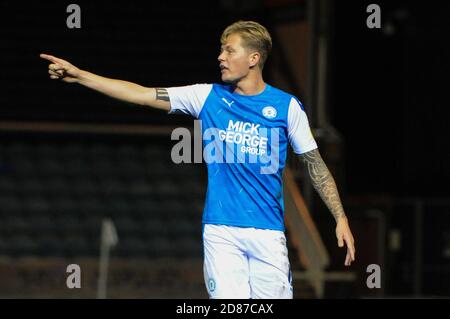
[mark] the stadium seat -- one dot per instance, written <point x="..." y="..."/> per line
<point x="59" y="193"/>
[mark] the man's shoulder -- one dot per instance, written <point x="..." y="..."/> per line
<point x="281" y="93"/>
<point x="286" y="98"/>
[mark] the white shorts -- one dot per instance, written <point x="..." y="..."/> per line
<point x="246" y="263"/>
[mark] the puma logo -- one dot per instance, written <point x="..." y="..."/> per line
<point x="228" y="103"/>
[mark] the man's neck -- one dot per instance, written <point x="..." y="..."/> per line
<point x="251" y="85"/>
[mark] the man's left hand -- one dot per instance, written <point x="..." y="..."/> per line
<point x="344" y="234"/>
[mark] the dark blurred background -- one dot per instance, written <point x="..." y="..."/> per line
<point x="69" y="157"/>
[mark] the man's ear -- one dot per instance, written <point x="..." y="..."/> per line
<point x="254" y="59"/>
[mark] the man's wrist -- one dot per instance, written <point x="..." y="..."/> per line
<point x="341" y="218"/>
<point x="82" y="77"/>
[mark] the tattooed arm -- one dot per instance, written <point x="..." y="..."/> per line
<point x="323" y="182"/>
<point x="118" y="89"/>
<point x="325" y="185"/>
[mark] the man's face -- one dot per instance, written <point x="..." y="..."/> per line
<point x="235" y="60"/>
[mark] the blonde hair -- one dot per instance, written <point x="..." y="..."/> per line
<point x="253" y="35"/>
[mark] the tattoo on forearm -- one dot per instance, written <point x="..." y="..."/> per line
<point x="162" y="95"/>
<point x="323" y="182"/>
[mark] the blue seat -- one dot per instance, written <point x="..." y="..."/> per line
<point x="22" y="245"/>
<point x="42" y="224"/>
<point x="126" y="225"/>
<point x="131" y="246"/>
<point x="10" y="205"/>
<point x="155" y="228"/>
<point x="22" y="166"/>
<point x="117" y="206"/>
<point x="91" y="206"/>
<point x="184" y="228"/>
<point x="50" y="245"/>
<point x="50" y="166"/>
<point x="64" y="206"/>
<point x="188" y="247"/>
<point x="60" y="193"/>
<point x="76" y="245"/>
<point x="160" y="247"/>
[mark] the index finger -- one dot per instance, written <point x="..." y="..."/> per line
<point x="351" y="248"/>
<point x="51" y="58"/>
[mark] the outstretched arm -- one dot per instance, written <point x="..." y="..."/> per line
<point x="130" y="92"/>
<point x="325" y="185"/>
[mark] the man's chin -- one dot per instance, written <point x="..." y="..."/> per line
<point x="228" y="80"/>
<point x="225" y="79"/>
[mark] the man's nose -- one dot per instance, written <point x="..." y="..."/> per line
<point x="220" y="57"/>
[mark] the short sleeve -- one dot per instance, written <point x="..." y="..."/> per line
<point x="299" y="132"/>
<point x="188" y="99"/>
